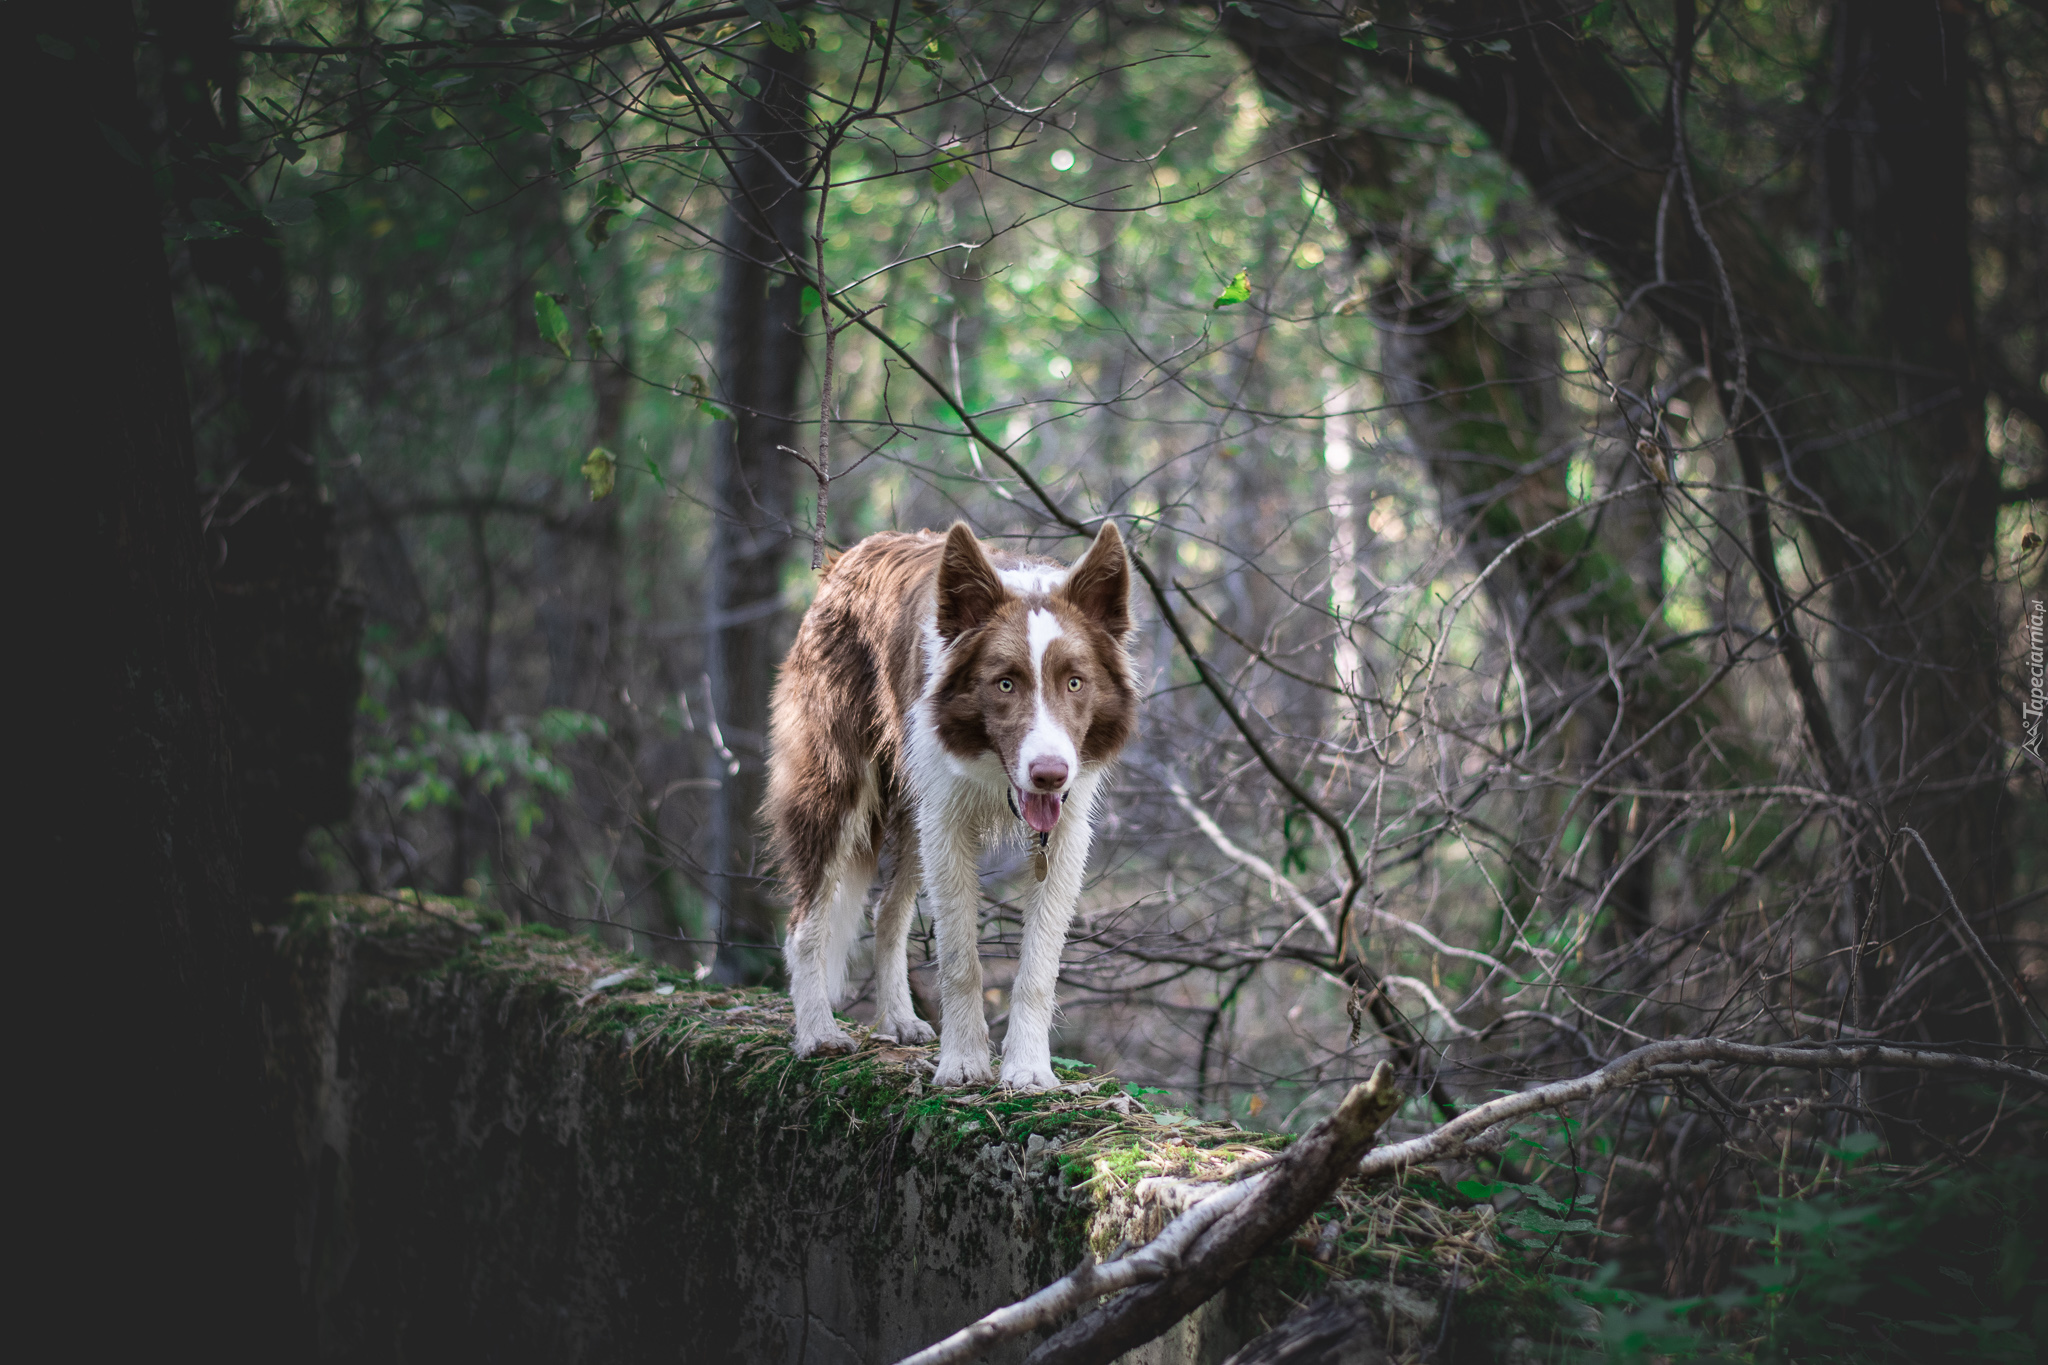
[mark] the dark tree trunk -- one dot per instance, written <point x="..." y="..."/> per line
<point x="1914" y="693"/>
<point x="287" y="634"/>
<point x="151" y="1151"/>
<point x="760" y="359"/>
<point x="1479" y="391"/>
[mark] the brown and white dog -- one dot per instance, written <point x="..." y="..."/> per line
<point x="939" y="694"/>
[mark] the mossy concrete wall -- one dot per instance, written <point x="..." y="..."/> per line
<point x="514" y="1146"/>
<point x="509" y="1154"/>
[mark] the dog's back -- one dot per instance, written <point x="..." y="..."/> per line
<point x="837" y="716"/>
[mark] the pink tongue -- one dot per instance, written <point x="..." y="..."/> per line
<point x="1041" y="811"/>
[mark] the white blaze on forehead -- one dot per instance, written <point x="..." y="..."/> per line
<point x="1047" y="738"/>
<point x="1042" y="628"/>
<point x="1032" y="581"/>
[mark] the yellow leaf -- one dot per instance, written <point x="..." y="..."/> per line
<point x="601" y="467"/>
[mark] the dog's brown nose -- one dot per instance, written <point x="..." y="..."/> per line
<point x="1048" y="774"/>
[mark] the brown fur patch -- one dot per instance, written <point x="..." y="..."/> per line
<point x="969" y="589"/>
<point x="839" y="703"/>
<point x="1098" y="592"/>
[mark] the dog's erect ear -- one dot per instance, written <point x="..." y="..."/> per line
<point x="970" y="590"/>
<point x="1100" y="585"/>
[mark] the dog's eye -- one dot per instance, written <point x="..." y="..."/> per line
<point x="1073" y="684"/>
<point x="1004" y="684"/>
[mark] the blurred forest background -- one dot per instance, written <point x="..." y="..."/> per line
<point x="1586" y="463"/>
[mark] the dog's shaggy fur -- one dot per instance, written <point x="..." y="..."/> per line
<point x="940" y="693"/>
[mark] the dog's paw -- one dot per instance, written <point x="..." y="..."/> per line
<point x="911" y="1030"/>
<point x="1022" y="1075"/>
<point x="968" y="1070"/>
<point x="825" y="1044"/>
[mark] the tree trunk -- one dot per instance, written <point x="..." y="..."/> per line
<point x="760" y="358"/>
<point x="1873" y="423"/>
<point x="152" y="1093"/>
<point x="287" y="634"/>
<point x="1915" y="692"/>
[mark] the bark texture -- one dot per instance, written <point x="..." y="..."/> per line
<point x="760" y="361"/>
<point x="287" y="633"/>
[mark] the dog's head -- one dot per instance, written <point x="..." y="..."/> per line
<point x="1034" y="671"/>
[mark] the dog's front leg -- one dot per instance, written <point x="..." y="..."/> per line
<point x="950" y="850"/>
<point x="1027" y="1048"/>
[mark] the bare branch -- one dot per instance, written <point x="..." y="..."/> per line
<point x="1196" y="1253"/>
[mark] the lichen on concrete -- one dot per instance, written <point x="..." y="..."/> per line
<point x="514" y="1144"/>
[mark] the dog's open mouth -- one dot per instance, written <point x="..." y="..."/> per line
<point x="1041" y="810"/>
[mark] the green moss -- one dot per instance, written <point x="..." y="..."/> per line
<point x="547" y="931"/>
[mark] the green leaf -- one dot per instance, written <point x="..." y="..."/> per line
<point x="120" y="145"/>
<point x="472" y="16"/>
<point x="517" y="112"/>
<point x="1597" y="18"/>
<point x="215" y="210"/>
<point x="749" y="87"/>
<point x="601" y="468"/>
<point x="558" y="725"/>
<point x="1543" y="1222"/>
<point x="391" y="144"/>
<point x="946" y="174"/>
<point x="1367" y="38"/>
<point x="609" y="195"/>
<point x="290" y="212"/>
<point x="703" y="396"/>
<point x="594" y="337"/>
<point x="598" y="230"/>
<point x="809" y="303"/>
<point x="780" y="31"/>
<point x="1237" y="291"/>
<point x="1481" y="1190"/>
<point x="554" y="328"/>
<point x="400" y="73"/>
<point x="562" y="155"/>
<point x="333" y="210"/>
